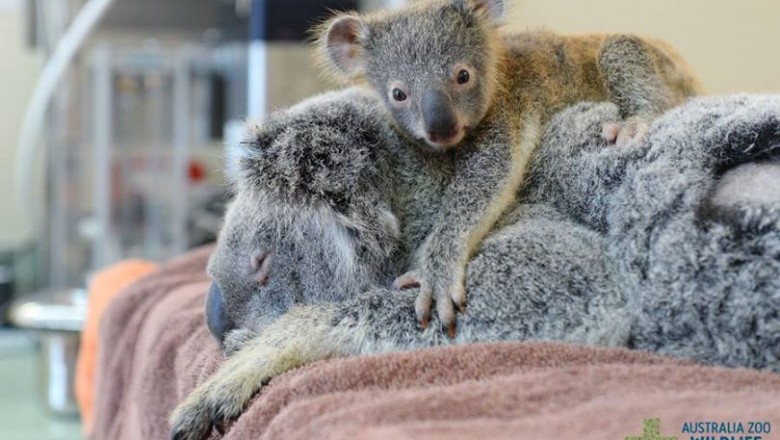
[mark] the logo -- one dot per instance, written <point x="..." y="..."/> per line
<point x="652" y="431"/>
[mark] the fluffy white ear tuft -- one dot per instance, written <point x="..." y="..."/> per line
<point x="341" y="41"/>
<point x="495" y="9"/>
<point x="238" y="135"/>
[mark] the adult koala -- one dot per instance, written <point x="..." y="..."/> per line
<point x="331" y="202"/>
<point x="588" y="256"/>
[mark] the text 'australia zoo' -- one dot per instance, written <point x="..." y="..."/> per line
<point x="724" y="430"/>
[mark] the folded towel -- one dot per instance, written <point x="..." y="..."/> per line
<point x="140" y="333"/>
<point x="154" y="348"/>
<point x="103" y="287"/>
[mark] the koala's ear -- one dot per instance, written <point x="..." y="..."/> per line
<point x="233" y="155"/>
<point x="340" y="42"/>
<point x="238" y="140"/>
<point x="494" y="9"/>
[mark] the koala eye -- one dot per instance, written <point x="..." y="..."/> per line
<point x="399" y="95"/>
<point x="463" y="77"/>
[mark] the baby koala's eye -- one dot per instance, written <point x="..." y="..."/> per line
<point x="399" y="95"/>
<point x="463" y="77"/>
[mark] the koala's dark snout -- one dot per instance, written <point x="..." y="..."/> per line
<point x="441" y="122"/>
<point x="216" y="319"/>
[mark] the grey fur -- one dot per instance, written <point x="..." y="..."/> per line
<point x="703" y="278"/>
<point x="516" y="82"/>
<point x="610" y="246"/>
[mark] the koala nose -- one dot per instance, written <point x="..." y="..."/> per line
<point x="439" y="117"/>
<point x="216" y="319"/>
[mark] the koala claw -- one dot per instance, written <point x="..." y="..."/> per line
<point x="422" y="306"/>
<point x="446" y="310"/>
<point x="622" y="133"/>
<point x="446" y="301"/>
<point x="222" y="426"/>
<point x="409" y="280"/>
<point x="458" y="294"/>
<point x="195" y="421"/>
<point x="194" y="431"/>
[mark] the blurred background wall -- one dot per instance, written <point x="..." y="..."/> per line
<point x="732" y="45"/>
<point x="18" y="72"/>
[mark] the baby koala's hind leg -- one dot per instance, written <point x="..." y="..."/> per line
<point x="621" y="133"/>
<point x="635" y="82"/>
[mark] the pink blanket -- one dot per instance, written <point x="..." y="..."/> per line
<point x="154" y="348"/>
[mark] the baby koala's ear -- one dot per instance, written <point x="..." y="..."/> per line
<point x="340" y="41"/>
<point x="494" y="9"/>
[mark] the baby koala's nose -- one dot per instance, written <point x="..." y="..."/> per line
<point x="217" y="321"/>
<point x="441" y="123"/>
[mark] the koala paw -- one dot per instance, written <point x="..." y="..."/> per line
<point x="623" y="133"/>
<point x="216" y="403"/>
<point x="447" y="298"/>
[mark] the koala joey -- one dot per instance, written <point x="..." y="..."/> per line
<point x="454" y="83"/>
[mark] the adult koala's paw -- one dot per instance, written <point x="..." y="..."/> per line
<point x="293" y="340"/>
<point x="218" y="402"/>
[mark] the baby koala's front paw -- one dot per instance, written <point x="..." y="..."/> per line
<point x="431" y="288"/>
<point x="623" y="133"/>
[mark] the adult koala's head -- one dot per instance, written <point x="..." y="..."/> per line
<point x="309" y="223"/>
<point x="267" y="260"/>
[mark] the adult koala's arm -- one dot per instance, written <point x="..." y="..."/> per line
<point x="512" y="299"/>
<point x="301" y="336"/>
